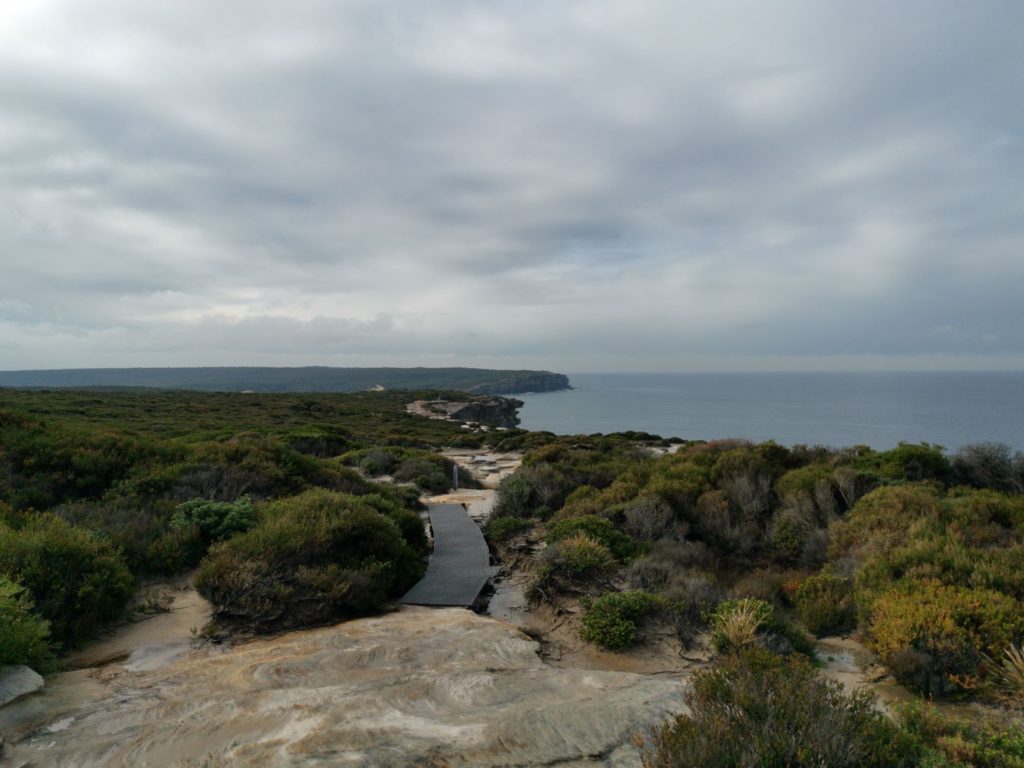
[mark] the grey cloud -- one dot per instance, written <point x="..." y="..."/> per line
<point x="657" y="185"/>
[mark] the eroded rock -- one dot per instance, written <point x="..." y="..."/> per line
<point x="421" y="686"/>
<point x="16" y="681"/>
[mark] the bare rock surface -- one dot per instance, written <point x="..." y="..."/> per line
<point x="418" y="687"/>
<point x="16" y="681"/>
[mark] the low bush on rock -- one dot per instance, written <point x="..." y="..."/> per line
<point x="570" y="563"/>
<point x="313" y="558"/>
<point x="935" y="637"/>
<point x="754" y="708"/>
<point x="24" y="637"/>
<point x="947" y="743"/>
<point x="611" y="620"/>
<point x="76" y="579"/>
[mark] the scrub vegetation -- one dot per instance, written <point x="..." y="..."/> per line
<point x="757" y="547"/>
<point x="761" y="547"/>
<point x="271" y="495"/>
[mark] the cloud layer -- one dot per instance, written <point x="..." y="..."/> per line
<point x="582" y="185"/>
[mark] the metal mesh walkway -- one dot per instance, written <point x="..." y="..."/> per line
<point x="460" y="564"/>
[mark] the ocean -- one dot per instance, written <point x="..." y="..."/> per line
<point x="834" y="409"/>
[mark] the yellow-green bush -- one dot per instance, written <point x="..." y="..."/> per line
<point x="934" y="637"/>
<point x="599" y="528"/>
<point x="880" y="521"/>
<point x="825" y="604"/>
<point x="24" y="637"/>
<point x="754" y="708"/>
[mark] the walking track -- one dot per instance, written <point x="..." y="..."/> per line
<point x="460" y="564"/>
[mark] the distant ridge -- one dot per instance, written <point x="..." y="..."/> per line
<point x="307" y="379"/>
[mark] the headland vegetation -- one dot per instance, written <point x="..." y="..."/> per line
<point x="774" y="605"/>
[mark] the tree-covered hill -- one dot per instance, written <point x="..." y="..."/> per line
<point x="306" y="379"/>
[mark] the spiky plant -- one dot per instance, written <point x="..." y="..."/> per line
<point x="1011" y="671"/>
<point x="735" y="623"/>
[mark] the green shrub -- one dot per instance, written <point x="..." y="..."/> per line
<point x="912" y="462"/>
<point x="934" y="637"/>
<point x="757" y="709"/>
<point x="377" y="462"/>
<point x="611" y="620"/>
<point x="24" y="637"/>
<point x="825" y="604"/>
<point x="583" y="554"/>
<point x="245" y="464"/>
<point x="648" y="518"/>
<point x="693" y="600"/>
<point x="989" y="465"/>
<point x="131" y="526"/>
<point x="788" y="536"/>
<point x="425" y="475"/>
<point x="947" y="743"/>
<point x="516" y="497"/>
<point x="176" y="550"/>
<point x="216" y="520"/>
<point x="618" y="543"/>
<point x="569" y="563"/>
<point x="504" y="528"/>
<point x="313" y="558"/>
<point x="77" y="581"/>
<point x="881" y="520"/>
<point x="803" y="480"/>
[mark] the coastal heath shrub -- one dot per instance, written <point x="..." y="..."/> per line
<point x="599" y="528"/>
<point x="516" y="497"/>
<point x="989" y="465"/>
<point x="935" y="637"/>
<point x="314" y="557"/>
<point x="567" y="563"/>
<point x="759" y="710"/>
<point x="693" y="598"/>
<point x="611" y="620"/>
<point x="648" y="518"/>
<point x="503" y="528"/>
<point x="948" y="743"/>
<point x="788" y="535"/>
<point x="825" y="604"/>
<point x="77" y="580"/>
<point x="216" y="520"/>
<point x="583" y="554"/>
<point x="880" y="521"/>
<point x="24" y="637"/>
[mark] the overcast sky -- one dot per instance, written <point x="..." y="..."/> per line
<point x="573" y="185"/>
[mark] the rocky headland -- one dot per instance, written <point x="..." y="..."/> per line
<point x="489" y="410"/>
<point x="529" y="381"/>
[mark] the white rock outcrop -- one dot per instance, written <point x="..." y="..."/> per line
<point x="417" y="687"/>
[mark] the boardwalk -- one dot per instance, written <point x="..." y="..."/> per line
<point x="460" y="564"/>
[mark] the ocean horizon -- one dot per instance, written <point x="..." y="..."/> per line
<point x="838" y="409"/>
